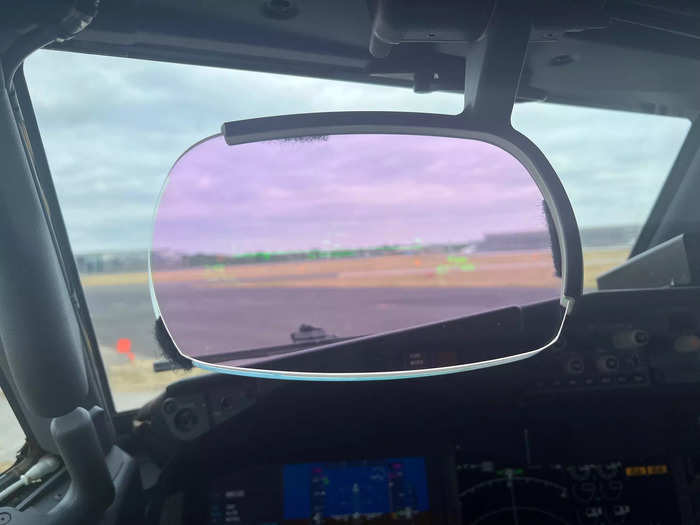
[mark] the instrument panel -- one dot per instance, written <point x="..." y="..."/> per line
<point x="600" y="429"/>
<point x="458" y="489"/>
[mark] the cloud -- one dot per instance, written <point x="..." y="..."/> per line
<point x="113" y="128"/>
<point x="612" y="163"/>
<point x="360" y="190"/>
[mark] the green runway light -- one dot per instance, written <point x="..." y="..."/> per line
<point x="455" y="262"/>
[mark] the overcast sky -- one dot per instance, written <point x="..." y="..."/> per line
<point x="113" y="128"/>
<point x="343" y="192"/>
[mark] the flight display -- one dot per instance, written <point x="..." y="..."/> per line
<point x="392" y="490"/>
<point x="603" y="493"/>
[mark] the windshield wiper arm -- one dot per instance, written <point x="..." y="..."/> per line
<point x="311" y="334"/>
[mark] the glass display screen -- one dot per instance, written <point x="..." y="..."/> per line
<point x="357" y="492"/>
<point x="414" y="490"/>
<point x="639" y="492"/>
<point x="393" y="490"/>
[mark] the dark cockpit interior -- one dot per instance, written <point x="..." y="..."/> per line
<point x="383" y="400"/>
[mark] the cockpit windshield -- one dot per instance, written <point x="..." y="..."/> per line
<point x="131" y="120"/>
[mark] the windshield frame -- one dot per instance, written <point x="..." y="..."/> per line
<point x="36" y="154"/>
<point x="661" y="212"/>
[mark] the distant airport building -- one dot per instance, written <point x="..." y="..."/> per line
<point x="517" y="241"/>
<point x="609" y="236"/>
<point x="600" y="237"/>
<point x="137" y="261"/>
<point x="112" y="262"/>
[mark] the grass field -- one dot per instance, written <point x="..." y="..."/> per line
<point x="138" y="375"/>
<point x="432" y="270"/>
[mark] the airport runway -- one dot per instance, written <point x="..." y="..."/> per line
<point x="123" y="311"/>
<point x="256" y="317"/>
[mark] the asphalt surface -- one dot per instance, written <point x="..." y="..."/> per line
<point x="212" y="320"/>
<point x="123" y="312"/>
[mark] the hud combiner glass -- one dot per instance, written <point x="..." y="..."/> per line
<point x="286" y="240"/>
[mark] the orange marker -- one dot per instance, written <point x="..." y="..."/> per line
<point x="124" y="347"/>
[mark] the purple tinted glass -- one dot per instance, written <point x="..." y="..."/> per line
<point x="350" y="234"/>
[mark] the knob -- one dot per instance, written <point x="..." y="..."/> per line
<point x="574" y="365"/>
<point x="607" y="363"/>
<point x="169" y="406"/>
<point x="185" y="420"/>
<point x="625" y="339"/>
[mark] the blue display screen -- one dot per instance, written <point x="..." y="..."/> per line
<point x="394" y="486"/>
